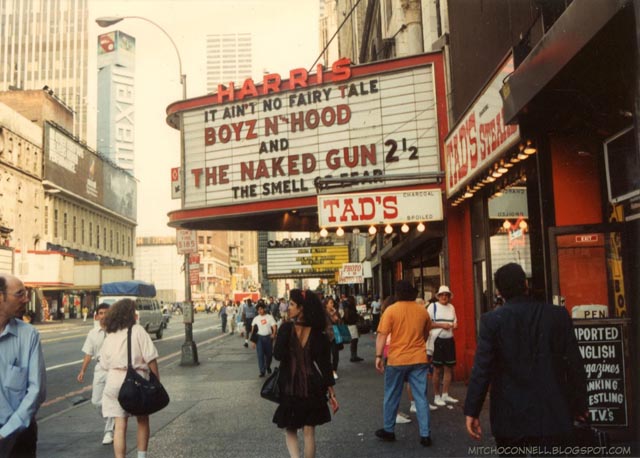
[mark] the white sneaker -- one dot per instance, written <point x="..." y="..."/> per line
<point x="108" y="438"/>
<point x="439" y="401"/>
<point x="412" y="409"/>
<point x="432" y="407"/>
<point x="447" y="398"/>
<point x="335" y="375"/>
<point x="400" y="418"/>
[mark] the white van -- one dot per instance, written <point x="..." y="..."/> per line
<point x="147" y="306"/>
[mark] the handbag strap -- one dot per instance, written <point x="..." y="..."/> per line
<point x="129" y="347"/>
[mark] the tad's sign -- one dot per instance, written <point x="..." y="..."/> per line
<point x="411" y="205"/>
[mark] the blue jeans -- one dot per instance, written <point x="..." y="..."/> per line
<point x="394" y="378"/>
<point x="265" y="353"/>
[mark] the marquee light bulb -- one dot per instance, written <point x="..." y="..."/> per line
<point x="340" y="232"/>
<point x="405" y="228"/>
<point x="372" y="230"/>
<point x="388" y="229"/>
<point x="324" y="232"/>
<point x="421" y="227"/>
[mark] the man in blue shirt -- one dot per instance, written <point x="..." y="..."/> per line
<point x="248" y="314"/>
<point x="22" y="372"/>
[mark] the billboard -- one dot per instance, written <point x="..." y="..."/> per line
<point x="75" y="168"/>
<point x="274" y="141"/>
<point x="116" y="47"/>
<point x="313" y="261"/>
<point x="120" y="191"/>
<point x="71" y="165"/>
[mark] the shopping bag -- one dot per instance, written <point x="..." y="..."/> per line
<point x="341" y="333"/>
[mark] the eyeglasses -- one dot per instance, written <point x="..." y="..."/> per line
<point x="19" y="294"/>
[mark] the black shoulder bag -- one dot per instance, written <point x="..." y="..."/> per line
<point x="140" y="396"/>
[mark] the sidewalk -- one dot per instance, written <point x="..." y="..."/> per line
<point x="216" y="411"/>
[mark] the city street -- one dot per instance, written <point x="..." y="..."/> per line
<point x="62" y="347"/>
<point x="216" y="411"/>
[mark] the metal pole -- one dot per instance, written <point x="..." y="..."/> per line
<point x="189" y="355"/>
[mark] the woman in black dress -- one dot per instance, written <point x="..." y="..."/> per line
<point x="306" y="376"/>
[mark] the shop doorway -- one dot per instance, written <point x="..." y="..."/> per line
<point x="587" y="276"/>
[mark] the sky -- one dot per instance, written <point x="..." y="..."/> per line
<point x="285" y="36"/>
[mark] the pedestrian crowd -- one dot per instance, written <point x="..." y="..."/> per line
<point x="414" y="346"/>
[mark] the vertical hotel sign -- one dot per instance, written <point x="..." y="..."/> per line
<point x="480" y="136"/>
<point x="273" y="141"/>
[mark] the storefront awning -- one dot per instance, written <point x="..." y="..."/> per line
<point x="571" y="32"/>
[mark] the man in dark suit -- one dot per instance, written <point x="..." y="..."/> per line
<point x="528" y="354"/>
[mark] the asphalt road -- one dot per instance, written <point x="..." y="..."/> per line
<point x="62" y="347"/>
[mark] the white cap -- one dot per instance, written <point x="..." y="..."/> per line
<point x="444" y="289"/>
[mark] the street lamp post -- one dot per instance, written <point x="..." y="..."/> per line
<point x="189" y="349"/>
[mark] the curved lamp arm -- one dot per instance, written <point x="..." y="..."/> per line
<point x="111" y="20"/>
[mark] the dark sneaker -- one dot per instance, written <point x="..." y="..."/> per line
<point x="385" y="435"/>
<point x="268" y="370"/>
<point x="356" y="359"/>
<point x="261" y="374"/>
<point x="246" y="345"/>
<point x="425" y="441"/>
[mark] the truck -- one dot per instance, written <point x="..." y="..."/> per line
<point x="144" y="295"/>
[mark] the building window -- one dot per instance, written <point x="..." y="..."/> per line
<point x="73" y="230"/>
<point x="123" y="250"/>
<point x="129" y="245"/>
<point x="64" y="226"/>
<point x="82" y="231"/>
<point x="46" y="220"/>
<point x="201" y="239"/>
<point x="55" y="222"/>
<point x="90" y="234"/>
<point x="104" y="237"/>
<point x="111" y="240"/>
<point x="97" y="236"/>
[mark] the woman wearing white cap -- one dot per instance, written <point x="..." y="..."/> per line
<point x="443" y="317"/>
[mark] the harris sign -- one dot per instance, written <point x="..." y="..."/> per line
<point x="269" y="144"/>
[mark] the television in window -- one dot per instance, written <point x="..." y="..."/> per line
<point x="622" y="162"/>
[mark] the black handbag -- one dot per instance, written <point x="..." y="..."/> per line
<point x="271" y="388"/>
<point x="140" y="396"/>
<point x="254" y="334"/>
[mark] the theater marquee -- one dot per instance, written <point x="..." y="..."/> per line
<point x="251" y="144"/>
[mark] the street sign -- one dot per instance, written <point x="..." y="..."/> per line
<point x="186" y="241"/>
<point x="194" y="269"/>
<point x="175" y="183"/>
<point x="351" y="273"/>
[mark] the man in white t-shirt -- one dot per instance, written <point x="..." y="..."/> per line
<point x="264" y="326"/>
<point x="375" y="313"/>
<point x="91" y="349"/>
<point x="443" y="316"/>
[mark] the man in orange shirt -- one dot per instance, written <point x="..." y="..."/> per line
<point x="409" y="325"/>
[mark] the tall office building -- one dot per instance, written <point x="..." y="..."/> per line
<point x="229" y="58"/>
<point x="45" y="43"/>
<point x="116" y="114"/>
